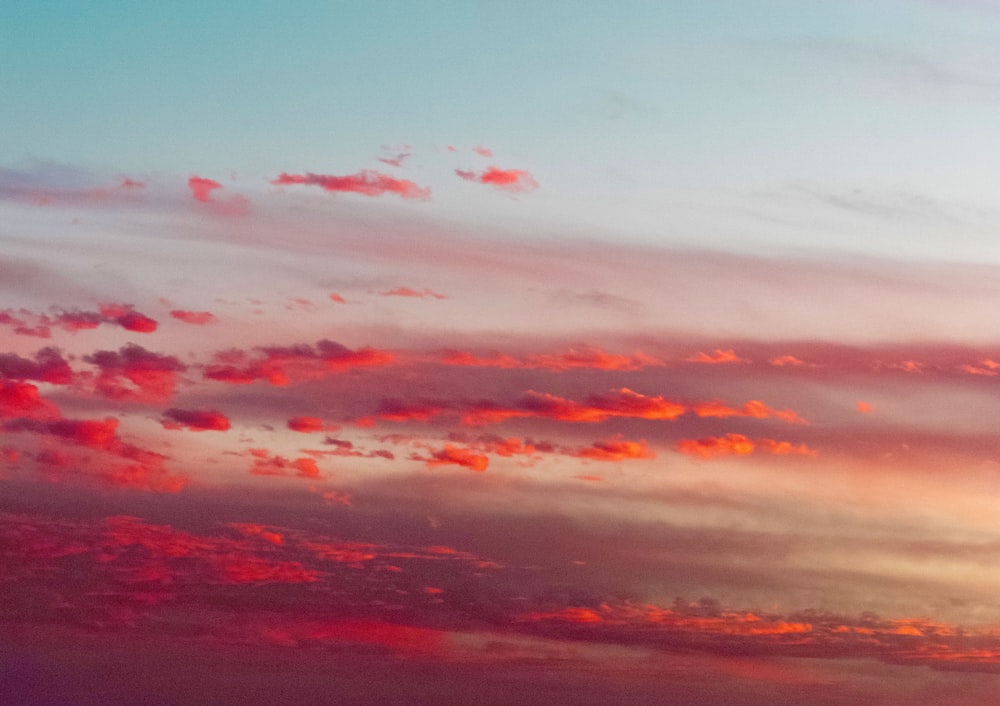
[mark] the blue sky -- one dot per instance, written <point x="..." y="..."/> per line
<point x="650" y="120"/>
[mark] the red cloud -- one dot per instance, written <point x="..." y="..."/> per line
<point x="337" y="298"/>
<point x="266" y="464"/>
<point x="279" y="365"/>
<point x="306" y="425"/>
<point x="21" y="400"/>
<point x="153" y="377"/>
<point x="199" y="318"/>
<point x="134" y="321"/>
<point x="136" y="467"/>
<point x="407" y="292"/>
<point x="201" y="188"/>
<point x="716" y="357"/>
<point x="508" y="179"/>
<point x="616" y="450"/>
<point x="48" y="366"/>
<point x="264" y="533"/>
<point x="195" y="420"/>
<point x="457" y="456"/>
<point x="366" y="182"/>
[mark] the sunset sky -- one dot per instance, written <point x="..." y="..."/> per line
<point x="500" y="352"/>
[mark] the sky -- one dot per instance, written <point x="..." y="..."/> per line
<point x="499" y="353"/>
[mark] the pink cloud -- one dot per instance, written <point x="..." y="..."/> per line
<point x="507" y="179"/>
<point x="202" y="188"/>
<point x="198" y="318"/>
<point x="195" y="420"/>
<point x="482" y="151"/>
<point x="366" y="182"/>
<point x="414" y="293"/>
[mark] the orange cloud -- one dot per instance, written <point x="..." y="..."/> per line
<point x="713" y="446"/>
<point x="199" y="318"/>
<point x="786" y="448"/>
<point x="716" y="357"/>
<point x="195" y="420"/>
<point x="616" y="450"/>
<point x="597" y="408"/>
<point x="754" y="409"/>
<point x="508" y="179"/>
<point x="458" y="456"/>
<point x="864" y="407"/>
<point x="740" y="445"/>
<point x="366" y="182"/>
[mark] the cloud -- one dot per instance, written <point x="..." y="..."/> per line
<point x="48" y="366"/>
<point x="754" y="409"/>
<point x="740" y="445"/>
<point x="718" y="356"/>
<point x="615" y="450"/>
<point x="134" y="373"/>
<point x="281" y="365"/>
<point x="202" y="188"/>
<point x="517" y="180"/>
<point x="337" y="298"/>
<point x="21" y="399"/>
<point x="584" y="357"/>
<point x="366" y="182"/>
<point x="396" y="161"/>
<point x="123" y="315"/>
<point x="783" y="360"/>
<point x="267" y="464"/>
<point x="195" y="420"/>
<point x="202" y="191"/>
<point x="457" y="456"/>
<point x="408" y="292"/>
<point x="598" y="408"/>
<point x="135" y="466"/>
<point x="198" y="318"/>
<point x="712" y="446"/>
